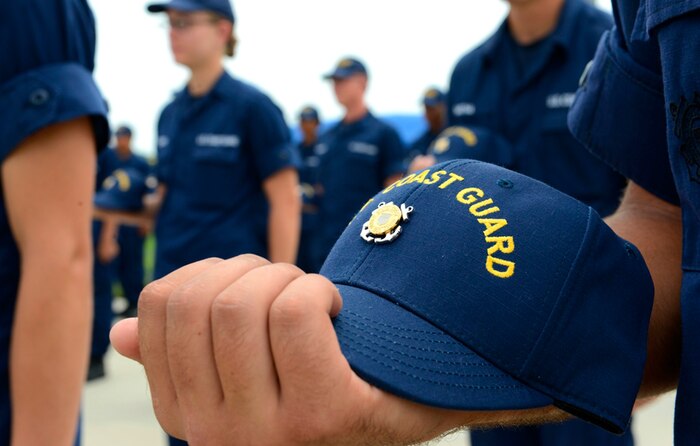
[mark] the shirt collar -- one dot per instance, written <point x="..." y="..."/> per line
<point x="217" y="90"/>
<point x="562" y="36"/>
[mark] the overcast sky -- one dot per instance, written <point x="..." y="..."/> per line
<point x="286" y="46"/>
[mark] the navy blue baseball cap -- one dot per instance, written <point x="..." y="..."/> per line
<point x="220" y="7"/>
<point x="468" y="286"/>
<point x="476" y="143"/>
<point x="123" y="190"/>
<point x="123" y="130"/>
<point x="433" y="97"/>
<point x="345" y="68"/>
<point x="309" y="113"/>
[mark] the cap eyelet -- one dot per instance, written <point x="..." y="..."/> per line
<point x="39" y="97"/>
<point x="505" y="184"/>
<point x="630" y="250"/>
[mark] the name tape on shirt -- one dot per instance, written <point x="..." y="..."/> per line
<point x="211" y="140"/>
<point x="363" y="148"/>
<point x="560" y="100"/>
<point x="464" y="109"/>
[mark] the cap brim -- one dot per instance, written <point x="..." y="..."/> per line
<point x="178" y="5"/>
<point x="400" y="353"/>
<point x="157" y="7"/>
<point x="333" y="76"/>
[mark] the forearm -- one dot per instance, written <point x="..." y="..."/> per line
<point x="284" y="226"/>
<point x="49" y="349"/>
<point x="656" y="230"/>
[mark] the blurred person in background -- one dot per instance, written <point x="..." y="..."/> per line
<point x="435" y="114"/>
<point x="227" y="170"/>
<point x="309" y="123"/>
<point x="520" y="84"/>
<point x="128" y="263"/>
<point x="359" y="156"/>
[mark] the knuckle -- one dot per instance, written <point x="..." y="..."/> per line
<point x="153" y="296"/>
<point x="288" y="310"/>
<point x="183" y="299"/>
<point x="232" y="306"/>
<point x="252" y="258"/>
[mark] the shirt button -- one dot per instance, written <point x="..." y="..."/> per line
<point x="39" y="97"/>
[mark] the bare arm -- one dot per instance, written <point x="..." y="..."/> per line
<point x="144" y="219"/>
<point x="654" y="226"/>
<point x="108" y="246"/>
<point x="48" y="181"/>
<point x="284" y="226"/>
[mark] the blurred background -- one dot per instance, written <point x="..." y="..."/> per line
<point x="284" y="49"/>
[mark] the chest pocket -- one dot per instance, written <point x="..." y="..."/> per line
<point x="215" y="175"/>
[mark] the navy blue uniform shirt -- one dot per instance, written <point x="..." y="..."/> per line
<point x="638" y="108"/>
<point x="356" y="159"/>
<point x="524" y="94"/>
<point x="47" y="55"/>
<point x="308" y="180"/>
<point x="421" y="145"/>
<point x="214" y="153"/>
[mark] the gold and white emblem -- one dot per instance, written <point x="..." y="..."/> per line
<point x="384" y="225"/>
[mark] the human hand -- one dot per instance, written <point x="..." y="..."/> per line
<point x="244" y="352"/>
<point x="421" y="162"/>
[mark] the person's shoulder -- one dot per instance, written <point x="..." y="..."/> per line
<point x="141" y="161"/>
<point x="476" y="54"/>
<point x="243" y="91"/>
<point x="385" y="127"/>
<point x="171" y="105"/>
<point x="593" y="19"/>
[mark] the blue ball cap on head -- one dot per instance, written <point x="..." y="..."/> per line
<point x="433" y="97"/>
<point x="220" y="7"/>
<point x="477" y="143"/>
<point x="309" y="113"/>
<point x="468" y="286"/>
<point x="347" y="67"/>
<point x="123" y="130"/>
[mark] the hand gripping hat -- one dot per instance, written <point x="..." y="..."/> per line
<point x="476" y="143"/>
<point x="123" y="190"/>
<point x="468" y="286"/>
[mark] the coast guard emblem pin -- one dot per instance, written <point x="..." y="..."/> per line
<point x="384" y="226"/>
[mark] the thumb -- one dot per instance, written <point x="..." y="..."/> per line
<point x="125" y="338"/>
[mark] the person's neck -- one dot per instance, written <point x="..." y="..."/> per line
<point x="436" y="127"/>
<point x="355" y="112"/>
<point x="124" y="153"/>
<point x="309" y="140"/>
<point x="532" y="21"/>
<point x="204" y="77"/>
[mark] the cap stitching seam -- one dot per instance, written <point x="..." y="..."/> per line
<point x="369" y="346"/>
<point x="466" y="386"/>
